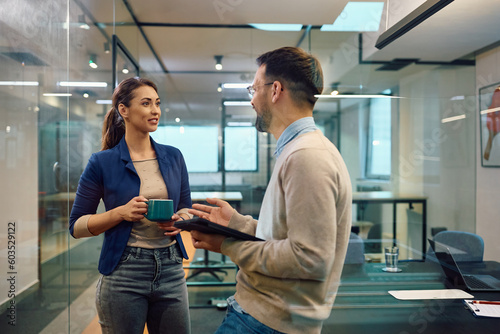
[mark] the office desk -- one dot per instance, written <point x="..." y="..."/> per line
<point x="232" y="197"/>
<point x="363" y="304"/>
<point x="388" y="197"/>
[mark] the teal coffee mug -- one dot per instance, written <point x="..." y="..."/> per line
<point x="160" y="209"/>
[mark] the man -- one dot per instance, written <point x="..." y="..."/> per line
<point x="288" y="282"/>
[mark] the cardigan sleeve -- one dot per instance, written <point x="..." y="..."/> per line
<point x="88" y="193"/>
<point x="185" y="194"/>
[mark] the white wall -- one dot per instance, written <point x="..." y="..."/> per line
<point x="488" y="179"/>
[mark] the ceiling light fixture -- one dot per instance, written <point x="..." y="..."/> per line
<point x="125" y="69"/>
<point x="354" y="96"/>
<point x="453" y="118"/>
<point x="239" y="124"/>
<point x="237" y="104"/>
<point x="106" y="47"/>
<point x="18" y="83"/>
<point x="82" y="23"/>
<point x="104" y="101"/>
<point x="236" y="85"/>
<point x="487" y="111"/>
<point x="92" y="61"/>
<point x="218" y="62"/>
<point x="57" y="94"/>
<point x="95" y="84"/>
<point x="219" y="88"/>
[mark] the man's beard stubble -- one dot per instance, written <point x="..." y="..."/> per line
<point x="263" y="121"/>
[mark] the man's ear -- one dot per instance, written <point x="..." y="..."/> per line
<point x="277" y="91"/>
<point x="123" y="110"/>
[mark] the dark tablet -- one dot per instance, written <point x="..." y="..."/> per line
<point x="206" y="226"/>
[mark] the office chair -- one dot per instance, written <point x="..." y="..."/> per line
<point x="465" y="246"/>
<point x="355" y="249"/>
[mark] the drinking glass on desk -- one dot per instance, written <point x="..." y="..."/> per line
<point x="391" y="259"/>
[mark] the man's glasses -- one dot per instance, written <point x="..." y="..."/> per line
<point x="251" y="89"/>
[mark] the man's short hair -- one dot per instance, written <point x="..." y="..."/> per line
<point x="297" y="70"/>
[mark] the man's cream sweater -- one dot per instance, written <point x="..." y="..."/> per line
<point x="289" y="281"/>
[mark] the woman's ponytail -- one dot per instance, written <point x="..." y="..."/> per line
<point x="113" y="129"/>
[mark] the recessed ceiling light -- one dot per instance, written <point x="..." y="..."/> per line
<point x="57" y="94"/>
<point x="239" y="124"/>
<point x="355" y="96"/>
<point x="104" y="101"/>
<point x="235" y="85"/>
<point x="95" y="84"/>
<point x="237" y="103"/>
<point x="18" y="83"/>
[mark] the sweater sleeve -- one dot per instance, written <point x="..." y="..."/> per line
<point x="309" y="183"/>
<point x="245" y="224"/>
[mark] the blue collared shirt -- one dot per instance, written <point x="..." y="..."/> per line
<point x="303" y="125"/>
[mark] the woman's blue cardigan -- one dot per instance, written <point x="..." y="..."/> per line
<point x="110" y="175"/>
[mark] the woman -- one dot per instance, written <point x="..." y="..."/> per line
<point x="142" y="279"/>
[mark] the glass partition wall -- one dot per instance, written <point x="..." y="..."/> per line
<point x="56" y="84"/>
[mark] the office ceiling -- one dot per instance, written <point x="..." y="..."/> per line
<point x="175" y="41"/>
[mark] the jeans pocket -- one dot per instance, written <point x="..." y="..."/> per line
<point x="125" y="256"/>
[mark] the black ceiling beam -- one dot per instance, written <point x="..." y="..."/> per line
<point x="146" y="39"/>
<point x="306" y="32"/>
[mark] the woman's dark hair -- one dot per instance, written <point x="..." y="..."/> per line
<point x="298" y="71"/>
<point x="113" y="128"/>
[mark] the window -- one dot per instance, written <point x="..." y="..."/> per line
<point x="240" y="148"/>
<point x="378" y="157"/>
<point x="199" y="145"/>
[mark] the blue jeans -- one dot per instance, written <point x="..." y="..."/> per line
<point x="237" y="321"/>
<point x="147" y="286"/>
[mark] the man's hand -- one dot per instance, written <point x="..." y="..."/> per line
<point x="220" y="214"/>
<point x="211" y="242"/>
